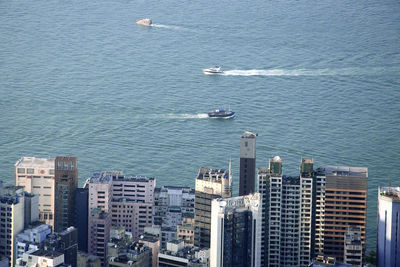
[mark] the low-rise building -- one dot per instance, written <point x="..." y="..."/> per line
<point x="88" y="260"/>
<point x="185" y="230"/>
<point x="122" y="251"/>
<point x="41" y="257"/>
<point x="32" y="237"/>
<point x="176" y="254"/>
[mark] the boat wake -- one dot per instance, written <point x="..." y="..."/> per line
<point x="165" y="26"/>
<point x="179" y="116"/>
<point x="307" y="72"/>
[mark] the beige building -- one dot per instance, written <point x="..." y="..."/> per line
<point x="37" y="176"/>
<point x="185" y="230"/>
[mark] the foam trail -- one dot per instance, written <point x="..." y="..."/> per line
<point x="311" y="72"/>
<point x="178" y="116"/>
<point x="165" y="26"/>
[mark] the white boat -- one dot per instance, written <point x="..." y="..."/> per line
<point x="213" y="71"/>
<point x="144" y="22"/>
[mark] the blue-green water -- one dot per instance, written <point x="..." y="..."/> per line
<point x="313" y="78"/>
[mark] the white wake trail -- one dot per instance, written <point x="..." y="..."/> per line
<point x="165" y="26"/>
<point x="312" y="72"/>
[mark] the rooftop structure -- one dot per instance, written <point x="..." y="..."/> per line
<point x="32" y="162"/>
<point x="177" y="254"/>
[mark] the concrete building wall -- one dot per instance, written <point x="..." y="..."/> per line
<point x="37" y="176"/>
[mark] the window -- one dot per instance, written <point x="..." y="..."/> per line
<point x="51" y="171"/>
<point x="21" y="170"/>
<point x="30" y="171"/>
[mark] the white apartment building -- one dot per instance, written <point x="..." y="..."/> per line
<point x="37" y="176"/>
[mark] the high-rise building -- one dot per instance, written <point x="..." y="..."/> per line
<point x="353" y="251"/>
<point x="236" y="231"/>
<point x="210" y="184"/>
<point x="37" y="176"/>
<point x="388" y="245"/>
<point x="341" y="201"/>
<point x="66" y="182"/>
<point x="307" y="210"/>
<point x="81" y="217"/>
<point x="288" y="212"/>
<point x="13" y="218"/>
<point x="247" y="168"/>
<point x="282" y="241"/>
<point x="263" y="189"/>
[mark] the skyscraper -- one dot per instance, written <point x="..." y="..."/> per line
<point x="341" y="201"/>
<point x="236" y="231"/>
<point x="210" y="184"/>
<point x="388" y="246"/>
<point x="66" y="182"/>
<point x="247" y="167"/>
<point x="37" y="176"/>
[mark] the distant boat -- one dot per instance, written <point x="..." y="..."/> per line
<point x="144" y="22"/>
<point x="221" y="113"/>
<point x="213" y="71"/>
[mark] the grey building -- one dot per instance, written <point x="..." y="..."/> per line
<point x="247" y="168"/>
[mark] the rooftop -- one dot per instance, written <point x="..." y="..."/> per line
<point x="104" y="177"/>
<point x="212" y="174"/>
<point x="47" y="253"/>
<point x="35" y="162"/>
<point x="390" y="192"/>
<point x="342" y="171"/>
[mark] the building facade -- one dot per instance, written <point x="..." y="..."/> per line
<point x="341" y="201"/>
<point x="37" y="176"/>
<point x="388" y="244"/>
<point x="247" y="168"/>
<point x="66" y="182"/>
<point x="236" y="231"/>
<point x="210" y="184"/>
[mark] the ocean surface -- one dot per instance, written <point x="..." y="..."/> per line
<point x="313" y="78"/>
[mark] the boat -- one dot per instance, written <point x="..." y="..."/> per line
<point x="213" y="71"/>
<point x="144" y="22"/>
<point x="221" y="113"/>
